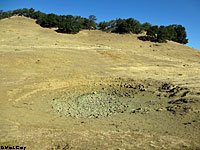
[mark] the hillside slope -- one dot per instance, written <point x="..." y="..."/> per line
<point x="39" y="65"/>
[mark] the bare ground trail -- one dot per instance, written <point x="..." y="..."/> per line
<point x="96" y="90"/>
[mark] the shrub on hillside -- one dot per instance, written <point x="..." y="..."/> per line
<point x="73" y="24"/>
<point x="103" y="25"/>
<point x="50" y="20"/>
<point x="69" y="25"/>
<point x="175" y="33"/>
<point x="92" y="22"/>
<point x="146" y="26"/>
<point x="128" y="26"/>
<point x="180" y="34"/>
<point x="152" y="33"/>
<point x="162" y="35"/>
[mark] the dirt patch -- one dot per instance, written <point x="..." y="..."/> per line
<point x="92" y="105"/>
<point x="116" y="98"/>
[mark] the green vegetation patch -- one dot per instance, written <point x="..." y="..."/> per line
<point x="73" y="24"/>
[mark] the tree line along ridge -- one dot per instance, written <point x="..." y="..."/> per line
<point x="73" y="24"/>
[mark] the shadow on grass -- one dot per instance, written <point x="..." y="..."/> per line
<point x="152" y="39"/>
<point x="147" y="38"/>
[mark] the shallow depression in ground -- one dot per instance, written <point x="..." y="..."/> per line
<point x="104" y="103"/>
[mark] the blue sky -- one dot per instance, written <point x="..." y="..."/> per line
<point x="157" y="12"/>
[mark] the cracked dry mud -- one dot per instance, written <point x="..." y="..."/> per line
<point x="96" y="91"/>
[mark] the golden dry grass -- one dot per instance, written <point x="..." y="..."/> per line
<point x="37" y="64"/>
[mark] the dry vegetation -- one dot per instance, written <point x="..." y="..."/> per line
<point x="41" y="71"/>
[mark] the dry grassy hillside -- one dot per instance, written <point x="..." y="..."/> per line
<point x="96" y="90"/>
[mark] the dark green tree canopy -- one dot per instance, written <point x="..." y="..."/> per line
<point x="73" y="24"/>
<point x="50" y="20"/>
<point x="152" y="31"/>
<point x="128" y="26"/>
<point x="171" y="35"/>
<point x="162" y="35"/>
<point x="103" y="25"/>
<point x="146" y="26"/>
<point x="69" y="25"/>
<point x="175" y="33"/>
<point x="180" y="34"/>
<point x="92" y="22"/>
<point x="92" y="18"/>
